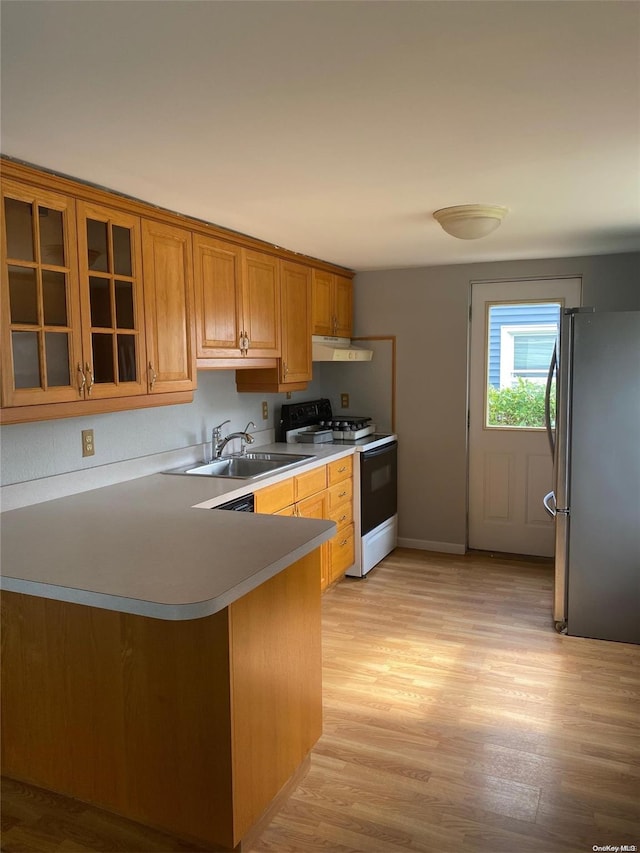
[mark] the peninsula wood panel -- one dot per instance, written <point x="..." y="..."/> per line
<point x="277" y="695"/>
<point x="189" y="726"/>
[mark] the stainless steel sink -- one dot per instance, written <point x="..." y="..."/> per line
<point x="245" y="466"/>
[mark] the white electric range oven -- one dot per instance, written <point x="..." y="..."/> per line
<point x="375" y="473"/>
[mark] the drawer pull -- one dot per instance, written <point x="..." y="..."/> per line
<point x="342" y="494"/>
<point x="342" y="518"/>
<point x="341" y="470"/>
<point x="344" y="542"/>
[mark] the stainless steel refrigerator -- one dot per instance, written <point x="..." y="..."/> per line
<point x="596" y="498"/>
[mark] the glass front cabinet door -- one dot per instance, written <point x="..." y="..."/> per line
<point x="110" y="268"/>
<point x="41" y="342"/>
<point x="72" y="308"/>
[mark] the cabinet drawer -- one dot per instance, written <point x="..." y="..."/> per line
<point x="310" y="482"/>
<point x="273" y="498"/>
<point x="342" y="514"/>
<point x="340" y="493"/>
<point x="288" y="510"/>
<point x="339" y="470"/>
<point x="342" y="551"/>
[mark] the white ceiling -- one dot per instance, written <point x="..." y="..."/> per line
<point x="336" y="128"/>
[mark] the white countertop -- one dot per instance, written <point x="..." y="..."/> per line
<point x="151" y="546"/>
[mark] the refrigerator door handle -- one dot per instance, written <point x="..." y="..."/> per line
<point x="547" y="403"/>
<point x="551" y="509"/>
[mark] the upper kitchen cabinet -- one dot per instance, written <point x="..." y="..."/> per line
<point x="332" y="304"/>
<point x="293" y="369"/>
<point x="168" y="296"/>
<point x="110" y="268"/>
<point x="237" y="303"/>
<point x="42" y="357"/>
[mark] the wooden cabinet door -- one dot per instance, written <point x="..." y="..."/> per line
<point x="322" y="313"/>
<point x="295" y="364"/>
<point x="41" y="333"/>
<point x="316" y="507"/>
<point x="110" y="269"/>
<point x="260" y="309"/>
<point x="343" y="306"/>
<point x="168" y="285"/>
<point x="218" y="286"/>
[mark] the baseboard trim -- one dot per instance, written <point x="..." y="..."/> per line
<point x="426" y="545"/>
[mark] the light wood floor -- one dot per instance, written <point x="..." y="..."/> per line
<point x="455" y="720"/>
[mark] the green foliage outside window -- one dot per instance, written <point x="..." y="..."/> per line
<point x="519" y="406"/>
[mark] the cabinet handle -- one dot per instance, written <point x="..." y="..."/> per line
<point x="343" y="518"/>
<point x="153" y="376"/>
<point x="342" y="470"/>
<point x="285" y="367"/>
<point x="342" y="494"/>
<point x="82" y="380"/>
<point x="335" y="324"/>
<point x="91" y="381"/>
<point x="344" y="542"/>
<point x="247" y="342"/>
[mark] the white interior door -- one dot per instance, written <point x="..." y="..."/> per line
<point x="514" y="325"/>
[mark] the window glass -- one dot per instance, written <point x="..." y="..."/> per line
<point x="520" y="347"/>
<point x="19" y="228"/>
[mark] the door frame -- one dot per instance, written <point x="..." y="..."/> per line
<point x="472" y="282"/>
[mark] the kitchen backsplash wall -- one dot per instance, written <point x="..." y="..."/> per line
<point x="44" y="449"/>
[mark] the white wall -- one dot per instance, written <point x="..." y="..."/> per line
<point x="46" y="448"/>
<point x="428" y="310"/>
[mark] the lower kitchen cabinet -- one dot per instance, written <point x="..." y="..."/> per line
<point x="340" y="509"/>
<point x="324" y="492"/>
<point x="192" y="726"/>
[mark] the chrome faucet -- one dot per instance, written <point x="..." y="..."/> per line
<point x="218" y="443"/>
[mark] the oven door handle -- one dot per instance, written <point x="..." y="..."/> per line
<point x="378" y="451"/>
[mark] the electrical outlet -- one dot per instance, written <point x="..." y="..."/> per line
<point x="265" y="410"/>
<point x="344" y="401"/>
<point x="88" y="447"/>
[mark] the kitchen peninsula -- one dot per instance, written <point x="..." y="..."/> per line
<point x="161" y="660"/>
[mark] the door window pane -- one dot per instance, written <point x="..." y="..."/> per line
<point x="121" y="250"/>
<point x="54" y="297"/>
<point x="102" y="347"/>
<point x="124" y="305"/>
<point x="26" y="360"/>
<point x="520" y="347"/>
<point x="100" y="298"/>
<point x="19" y="225"/>
<point x="127" y="358"/>
<point x="23" y="295"/>
<point x="57" y="356"/>
<point x="51" y="236"/>
<point x="97" y="254"/>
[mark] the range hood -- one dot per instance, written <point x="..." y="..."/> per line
<point x="338" y="349"/>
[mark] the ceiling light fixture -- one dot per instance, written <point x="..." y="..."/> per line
<point x="470" y="221"/>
